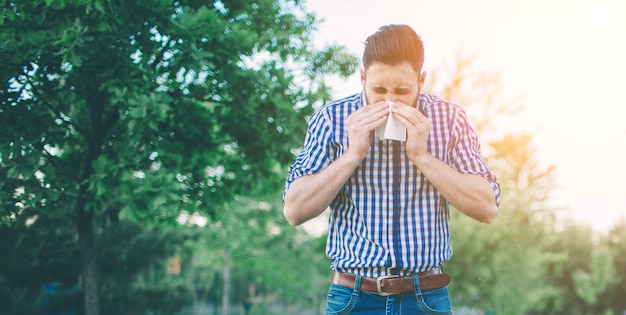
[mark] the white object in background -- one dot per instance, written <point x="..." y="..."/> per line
<point x="392" y="129"/>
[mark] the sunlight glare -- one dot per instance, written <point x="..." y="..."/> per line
<point x="599" y="15"/>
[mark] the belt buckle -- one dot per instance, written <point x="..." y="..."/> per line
<point x="379" y="284"/>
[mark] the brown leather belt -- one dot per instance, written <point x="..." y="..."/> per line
<point x="391" y="285"/>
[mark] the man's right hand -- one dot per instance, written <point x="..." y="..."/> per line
<point x="361" y="126"/>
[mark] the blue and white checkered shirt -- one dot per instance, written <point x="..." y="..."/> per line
<point x="388" y="218"/>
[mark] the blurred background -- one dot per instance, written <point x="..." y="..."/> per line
<point x="145" y="147"/>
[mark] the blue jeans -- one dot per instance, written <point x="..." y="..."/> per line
<point x="344" y="301"/>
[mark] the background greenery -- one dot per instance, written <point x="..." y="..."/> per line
<point x="144" y="148"/>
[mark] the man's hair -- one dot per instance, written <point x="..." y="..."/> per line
<point x="393" y="45"/>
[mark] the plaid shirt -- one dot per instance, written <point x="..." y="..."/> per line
<point x="388" y="218"/>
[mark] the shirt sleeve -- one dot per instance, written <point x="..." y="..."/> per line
<point x="314" y="156"/>
<point x="466" y="153"/>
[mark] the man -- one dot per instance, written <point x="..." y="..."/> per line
<point x="388" y="199"/>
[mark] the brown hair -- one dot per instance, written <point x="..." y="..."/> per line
<point x="393" y="45"/>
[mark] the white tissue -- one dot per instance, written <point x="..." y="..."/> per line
<point x="392" y="129"/>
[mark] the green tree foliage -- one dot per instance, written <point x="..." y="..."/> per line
<point x="138" y="110"/>
<point x="42" y="263"/>
<point x="34" y="255"/>
<point x="133" y="261"/>
<point x="590" y="279"/>
<point x="262" y="252"/>
<point x="615" y="240"/>
<point x="590" y="284"/>
<point x="576" y="242"/>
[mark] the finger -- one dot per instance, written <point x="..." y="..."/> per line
<point x="410" y="115"/>
<point x="372" y="113"/>
<point x="375" y="122"/>
<point x="406" y="117"/>
<point x="406" y="110"/>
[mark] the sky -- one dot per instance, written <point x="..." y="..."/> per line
<point x="565" y="60"/>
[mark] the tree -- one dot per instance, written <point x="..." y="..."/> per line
<point x="254" y="242"/>
<point x="42" y="262"/>
<point x="138" y="110"/>
<point x="590" y="284"/>
<point x="36" y="256"/>
<point x="589" y="269"/>
<point x="576" y="242"/>
<point x="615" y="241"/>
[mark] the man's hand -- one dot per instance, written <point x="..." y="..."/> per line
<point x="361" y="126"/>
<point x="417" y="128"/>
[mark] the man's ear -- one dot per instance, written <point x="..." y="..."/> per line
<point x="362" y="75"/>
<point x="421" y="79"/>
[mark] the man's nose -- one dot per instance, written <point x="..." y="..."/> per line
<point x="391" y="97"/>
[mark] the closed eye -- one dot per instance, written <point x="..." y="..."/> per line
<point x="380" y="90"/>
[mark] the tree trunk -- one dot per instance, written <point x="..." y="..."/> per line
<point x="88" y="255"/>
<point x="86" y="215"/>
<point x="226" y="283"/>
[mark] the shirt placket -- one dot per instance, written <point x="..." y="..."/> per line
<point x="395" y="238"/>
